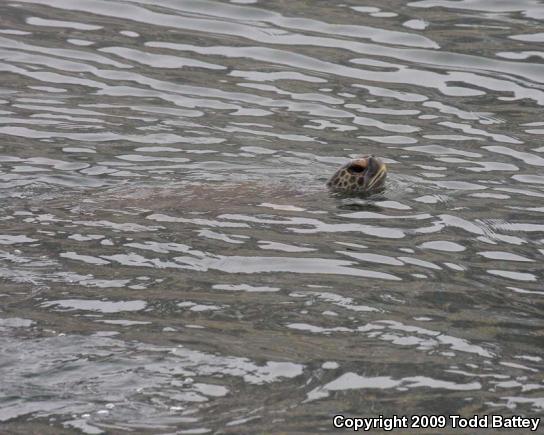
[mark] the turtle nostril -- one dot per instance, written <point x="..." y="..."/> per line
<point x="356" y="168"/>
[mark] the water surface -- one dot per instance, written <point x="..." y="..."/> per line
<point x="171" y="261"/>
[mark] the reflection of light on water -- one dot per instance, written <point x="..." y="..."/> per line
<point x="150" y="156"/>
<point x="353" y="381"/>
<point x="93" y="305"/>
<point x="391" y="331"/>
<point x="136" y="375"/>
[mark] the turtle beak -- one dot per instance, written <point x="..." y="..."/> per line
<point x="375" y="173"/>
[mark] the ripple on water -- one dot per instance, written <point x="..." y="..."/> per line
<point x="171" y="260"/>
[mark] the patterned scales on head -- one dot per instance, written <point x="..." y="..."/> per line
<point x="364" y="176"/>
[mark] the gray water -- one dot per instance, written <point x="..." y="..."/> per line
<point x="171" y="261"/>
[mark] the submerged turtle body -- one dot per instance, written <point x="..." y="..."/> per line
<point x="360" y="176"/>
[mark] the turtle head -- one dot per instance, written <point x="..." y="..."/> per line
<point x="364" y="175"/>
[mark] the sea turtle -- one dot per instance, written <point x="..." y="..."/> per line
<point x="365" y="175"/>
<point x="357" y="178"/>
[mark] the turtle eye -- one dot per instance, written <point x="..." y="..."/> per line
<point x="356" y="169"/>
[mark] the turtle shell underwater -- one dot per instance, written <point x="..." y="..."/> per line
<point x="365" y="175"/>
